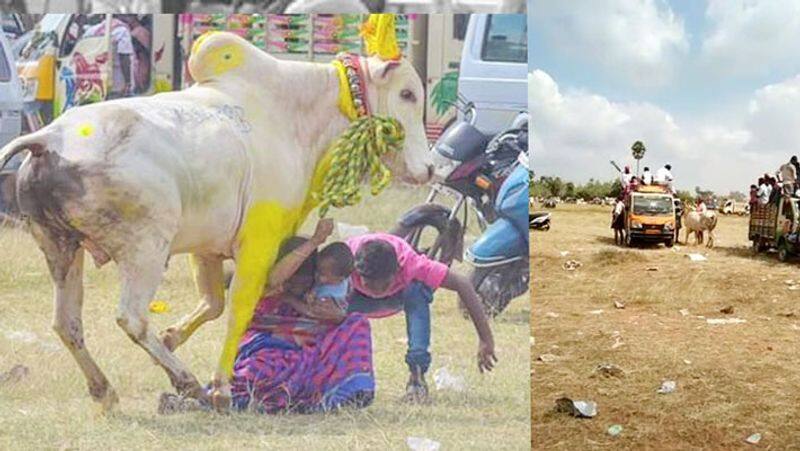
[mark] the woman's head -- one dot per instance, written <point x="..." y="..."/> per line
<point x="376" y="264"/>
<point x="302" y="280"/>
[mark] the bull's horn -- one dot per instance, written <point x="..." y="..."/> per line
<point x="33" y="144"/>
<point x="380" y="36"/>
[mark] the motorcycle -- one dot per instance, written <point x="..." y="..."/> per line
<point x="539" y="220"/>
<point x="488" y="180"/>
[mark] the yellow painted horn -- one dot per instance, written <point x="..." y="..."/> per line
<point x="380" y="36"/>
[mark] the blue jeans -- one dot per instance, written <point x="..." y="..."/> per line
<point x="415" y="300"/>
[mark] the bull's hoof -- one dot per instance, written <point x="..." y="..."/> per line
<point x="107" y="402"/>
<point x="221" y="399"/>
<point x="170" y="337"/>
<point x="169" y="404"/>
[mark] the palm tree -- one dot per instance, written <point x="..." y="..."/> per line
<point x="638" y="153"/>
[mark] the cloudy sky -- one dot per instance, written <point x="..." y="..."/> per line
<point x="712" y="87"/>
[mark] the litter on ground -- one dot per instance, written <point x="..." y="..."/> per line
<point x="697" y="257"/>
<point x="422" y="444"/>
<point x="579" y="409"/>
<point x="718" y="321"/>
<point x="667" y="387"/>
<point x="445" y="380"/>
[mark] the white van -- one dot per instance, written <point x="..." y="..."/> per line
<point x="494" y="68"/>
<point x="10" y="122"/>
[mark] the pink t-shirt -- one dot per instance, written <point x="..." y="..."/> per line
<point x="413" y="266"/>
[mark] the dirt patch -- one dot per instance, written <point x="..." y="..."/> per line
<point x="732" y="379"/>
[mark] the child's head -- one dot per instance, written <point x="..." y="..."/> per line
<point x="376" y="263"/>
<point x="334" y="263"/>
<point x="303" y="279"/>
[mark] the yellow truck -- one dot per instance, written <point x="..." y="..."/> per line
<point x="650" y="216"/>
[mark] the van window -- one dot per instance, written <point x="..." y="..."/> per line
<point x="5" y="69"/>
<point x="506" y="39"/>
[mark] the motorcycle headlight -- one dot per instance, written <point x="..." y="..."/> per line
<point x="636" y="225"/>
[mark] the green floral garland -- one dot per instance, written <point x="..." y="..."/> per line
<point x="356" y="155"/>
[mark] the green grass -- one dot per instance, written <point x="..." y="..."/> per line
<point x="51" y="408"/>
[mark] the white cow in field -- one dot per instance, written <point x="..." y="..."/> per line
<point x="220" y="170"/>
<point x="697" y="223"/>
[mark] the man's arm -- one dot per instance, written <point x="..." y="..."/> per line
<point x="458" y="283"/>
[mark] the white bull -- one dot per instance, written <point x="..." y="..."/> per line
<point x="220" y="170"/>
<point x="697" y="223"/>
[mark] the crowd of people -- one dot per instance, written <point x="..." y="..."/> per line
<point x="663" y="176"/>
<point x="771" y="188"/>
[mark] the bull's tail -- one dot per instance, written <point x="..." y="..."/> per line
<point x="713" y="224"/>
<point x="35" y="143"/>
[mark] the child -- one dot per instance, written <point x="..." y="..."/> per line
<point x="333" y="265"/>
<point x="390" y="276"/>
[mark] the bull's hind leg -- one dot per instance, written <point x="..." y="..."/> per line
<point x="65" y="261"/>
<point x="141" y="273"/>
<point x="208" y="277"/>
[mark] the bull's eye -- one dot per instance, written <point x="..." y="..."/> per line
<point x="408" y="95"/>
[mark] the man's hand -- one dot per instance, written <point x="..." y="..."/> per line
<point x="486" y="357"/>
<point x="324" y="230"/>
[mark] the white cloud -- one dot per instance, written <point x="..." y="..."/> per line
<point x="576" y="133"/>
<point x="752" y="37"/>
<point x="641" y="40"/>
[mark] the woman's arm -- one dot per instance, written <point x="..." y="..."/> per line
<point x="288" y="265"/>
<point x="458" y="283"/>
<point x="313" y="308"/>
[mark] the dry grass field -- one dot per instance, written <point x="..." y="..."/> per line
<point x="733" y="380"/>
<point x="51" y="409"/>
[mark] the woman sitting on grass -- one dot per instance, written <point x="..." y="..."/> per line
<point x="302" y="353"/>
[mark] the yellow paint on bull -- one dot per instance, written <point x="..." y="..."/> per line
<point x="266" y="226"/>
<point x="85" y="130"/>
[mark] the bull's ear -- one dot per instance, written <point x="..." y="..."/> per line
<point x="380" y="70"/>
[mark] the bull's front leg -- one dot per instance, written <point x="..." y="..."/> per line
<point x="209" y="280"/>
<point x="266" y="226"/>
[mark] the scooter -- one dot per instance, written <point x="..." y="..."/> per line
<point x="477" y="183"/>
<point x="500" y="256"/>
<point x="539" y="220"/>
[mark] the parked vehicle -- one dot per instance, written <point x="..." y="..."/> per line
<point x="10" y="125"/>
<point x="539" y="220"/>
<point x="731" y="207"/>
<point x="775" y="226"/>
<point x="650" y="215"/>
<point x="60" y="67"/>
<point x="494" y="68"/>
<point x="489" y="181"/>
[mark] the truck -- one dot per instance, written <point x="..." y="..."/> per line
<point x="732" y="207"/>
<point x="650" y="215"/>
<point x="775" y="226"/>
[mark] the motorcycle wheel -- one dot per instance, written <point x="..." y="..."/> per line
<point x="429" y="244"/>
<point x="497" y="286"/>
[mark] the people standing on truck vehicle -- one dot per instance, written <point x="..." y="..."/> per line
<point x="664" y="174"/>
<point x="647" y="176"/>
<point x="764" y="190"/>
<point x="626" y="177"/>
<point x="618" y="221"/>
<point x="124" y="56"/>
<point x="775" y="193"/>
<point x="753" y="195"/>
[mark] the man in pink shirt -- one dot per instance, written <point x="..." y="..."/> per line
<point x="390" y="276"/>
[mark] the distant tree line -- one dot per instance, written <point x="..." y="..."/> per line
<point x="546" y="187"/>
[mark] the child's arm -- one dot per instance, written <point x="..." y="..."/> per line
<point x="288" y="265"/>
<point x="317" y="309"/>
<point x="458" y="283"/>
